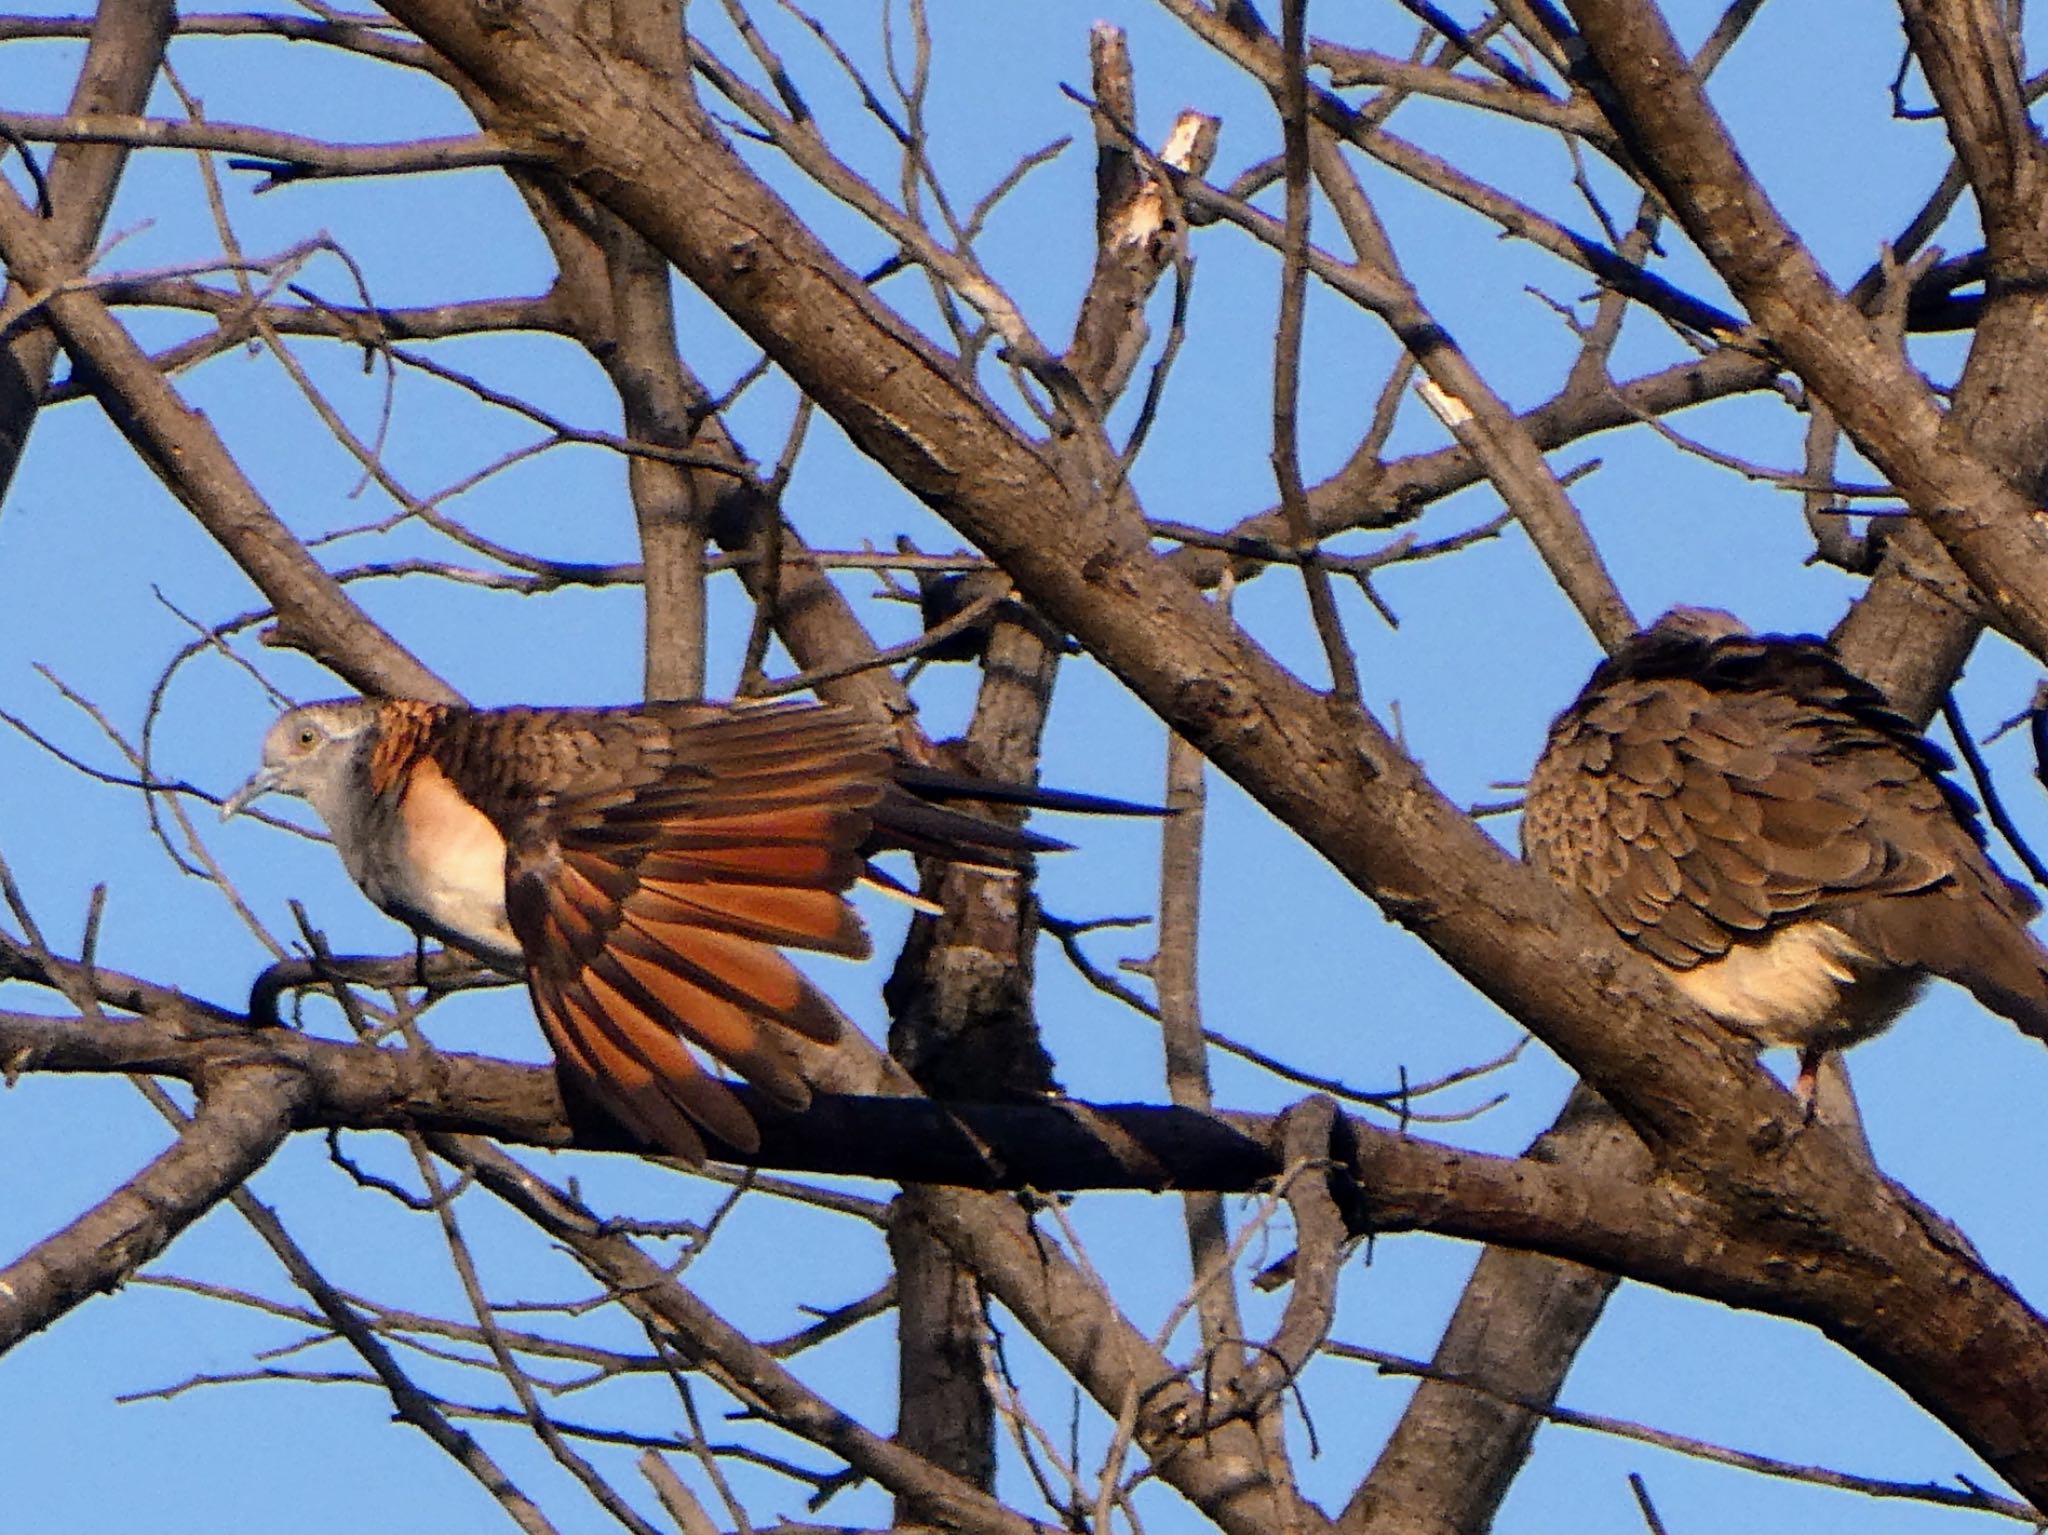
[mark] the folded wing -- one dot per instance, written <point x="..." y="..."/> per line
<point x="1705" y="796"/>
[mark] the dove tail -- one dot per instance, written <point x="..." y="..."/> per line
<point x="1974" y="934"/>
<point x="913" y="816"/>
<point x="2017" y="990"/>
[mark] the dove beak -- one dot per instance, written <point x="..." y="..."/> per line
<point x="264" y="781"/>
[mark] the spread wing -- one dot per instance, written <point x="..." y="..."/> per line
<point x="651" y="896"/>
<point x="1696" y="810"/>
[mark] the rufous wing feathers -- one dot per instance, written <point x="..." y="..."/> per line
<point x="656" y="916"/>
<point x="658" y="861"/>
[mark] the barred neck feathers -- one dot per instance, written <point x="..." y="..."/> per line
<point x="403" y="736"/>
<point x="425" y="852"/>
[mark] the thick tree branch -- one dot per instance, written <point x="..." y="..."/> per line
<point x="1224" y="1471"/>
<point x="1990" y="528"/>
<point x="288" y="156"/>
<point x="1519" y="1325"/>
<point x="195" y="466"/>
<point x="374" y="41"/>
<point x="1968" y="56"/>
<point x="244" y="1115"/>
<point x="341" y="322"/>
<point x="1367" y="493"/>
<point x="739" y="1364"/>
<point x="1658" y="1230"/>
<point x="120" y="65"/>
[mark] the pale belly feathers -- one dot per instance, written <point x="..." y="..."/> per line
<point x="1810" y="984"/>
<point x="460" y="889"/>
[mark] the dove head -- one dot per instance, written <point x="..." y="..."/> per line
<point x="309" y="754"/>
<point x="1699" y="624"/>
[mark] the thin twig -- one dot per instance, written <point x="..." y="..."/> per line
<point x="1987" y="790"/>
<point x="1322" y="601"/>
<point x="1699" y="1449"/>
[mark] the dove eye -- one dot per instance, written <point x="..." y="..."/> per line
<point x="308" y="735"/>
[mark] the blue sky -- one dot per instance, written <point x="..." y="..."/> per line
<point x="1295" y="962"/>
